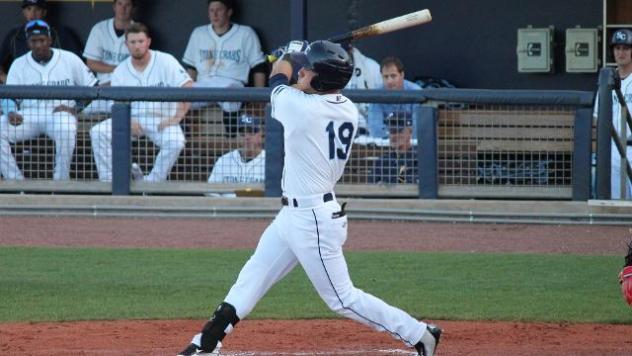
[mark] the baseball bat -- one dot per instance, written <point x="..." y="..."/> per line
<point x="395" y="24"/>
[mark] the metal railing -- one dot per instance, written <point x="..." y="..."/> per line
<point x="469" y="143"/>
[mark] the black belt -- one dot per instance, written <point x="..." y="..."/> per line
<point x="326" y="197"/>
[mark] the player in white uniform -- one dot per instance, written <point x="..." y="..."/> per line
<point x="43" y="65"/>
<point x="157" y="120"/>
<point x="106" y="48"/>
<point x="621" y="45"/>
<point x="319" y="125"/>
<point x="366" y="75"/>
<point x="246" y="164"/>
<point x="222" y="54"/>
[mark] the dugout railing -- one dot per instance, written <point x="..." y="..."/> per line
<point x="469" y="144"/>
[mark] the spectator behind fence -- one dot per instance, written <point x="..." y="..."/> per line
<point x="15" y="42"/>
<point x="106" y="48"/>
<point x="366" y="75"/>
<point x="392" y="71"/>
<point x="399" y="164"/>
<point x="621" y="47"/>
<point x="159" y="121"/>
<point x="247" y="163"/>
<point x="222" y="54"/>
<point x="43" y="65"/>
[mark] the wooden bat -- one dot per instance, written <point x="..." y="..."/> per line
<point x="397" y="23"/>
<point x="413" y="19"/>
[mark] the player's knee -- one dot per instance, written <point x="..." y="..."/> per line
<point x="175" y="142"/>
<point x="222" y="323"/>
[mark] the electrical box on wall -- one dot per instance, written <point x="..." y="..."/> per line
<point x="535" y="50"/>
<point x="581" y="50"/>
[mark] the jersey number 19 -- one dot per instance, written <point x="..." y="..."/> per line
<point x="345" y="136"/>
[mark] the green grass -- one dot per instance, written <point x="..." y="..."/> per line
<point x="39" y="284"/>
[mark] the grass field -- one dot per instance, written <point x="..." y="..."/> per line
<point x="50" y="284"/>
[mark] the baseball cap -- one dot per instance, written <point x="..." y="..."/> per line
<point x="38" y="3"/>
<point x="398" y="120"/>
<point x="37" y="27"/>
<point x="249" y="121"/>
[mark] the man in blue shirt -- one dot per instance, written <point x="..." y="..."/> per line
<point x="392" y="71"/>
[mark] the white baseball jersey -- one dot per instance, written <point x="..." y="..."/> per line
<point x="227" y="58"/>
<point x="163" y="70"/>
<point x="615" y="167"/>
<point x="231" y="168"/>
<point x="318" y="132"/>
<point x="105" y="46"/>
<point x="366" y="75"/>
<point x="64" y="69"/>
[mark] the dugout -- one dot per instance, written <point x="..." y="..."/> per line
<point x="471" y="44"/>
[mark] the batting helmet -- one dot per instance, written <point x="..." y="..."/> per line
<point x="330" y="62"/>
<point x="621" y="36"/>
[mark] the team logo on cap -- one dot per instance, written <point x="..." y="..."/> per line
<point x="621" y="36"/>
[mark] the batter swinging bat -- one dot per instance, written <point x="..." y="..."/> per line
<point x="398" y="23"/>
<point x="413" y="19"/>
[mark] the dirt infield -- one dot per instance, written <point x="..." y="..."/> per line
<point x="311" y="337"/>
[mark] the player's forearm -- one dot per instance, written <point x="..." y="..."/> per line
<point x="99" y="67"/>
<point x="259" y="79"/>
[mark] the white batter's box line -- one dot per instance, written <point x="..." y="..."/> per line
<point x="345" y="353"/>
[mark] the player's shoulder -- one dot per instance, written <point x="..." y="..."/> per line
<point x="164" y="56"/>
<point x="121" y="68"/>
<point x="21" y="60"/>
<point x="244" y="29"/>
<point x="202" y="30"/>
<point x="102" y="25"/>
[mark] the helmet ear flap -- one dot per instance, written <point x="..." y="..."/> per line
<point x="316" y="83"/>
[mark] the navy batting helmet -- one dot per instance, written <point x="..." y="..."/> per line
<point x="330" y="62"/>
<point x="621" y="36"/>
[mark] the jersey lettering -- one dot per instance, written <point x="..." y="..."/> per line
<point x="345" y="135"/>
<point x="232" y="55"/>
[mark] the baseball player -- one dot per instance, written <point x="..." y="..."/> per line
<point x="15" y="43"/>
<point x="106" y="48"/>
<point x="159" y="121"/>
<point x="319" y="126"/>
<point x="399" y="163"/>
<point x="43" y="65"/>
<point x="246" y="164"/>
<point x="621" y="46"/>
<point x="366" y="75"/>
<point x="222" y="54"/>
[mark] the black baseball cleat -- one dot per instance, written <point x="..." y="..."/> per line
<point x="427" y="346"/>
<point x="194" y="349"/>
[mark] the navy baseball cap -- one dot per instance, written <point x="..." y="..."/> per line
<point x="37" y="27"/>
<point x="249" y="121"/>
<point x="398" y="120"/>
<point x="38" y="3"/>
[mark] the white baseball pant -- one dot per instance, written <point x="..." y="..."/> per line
<point x="59" y="126"/>
<point x="313" y="237"/>
<point x="615" y="174"/>
<point x="170" y="140"/>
